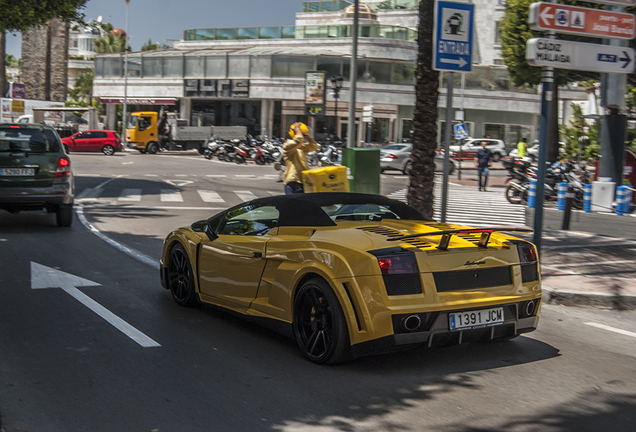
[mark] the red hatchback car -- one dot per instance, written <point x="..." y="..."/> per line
<point x="106" y="141"/>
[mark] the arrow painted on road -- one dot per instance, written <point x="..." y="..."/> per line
<point x="461" y="62"/>
<point x="625" y="59"/>
<point x="43" y="277"/>
<point x="545" y="14"/>
<point x="179" y="183"/>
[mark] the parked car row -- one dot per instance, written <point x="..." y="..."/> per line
<point x="398" y="157"/>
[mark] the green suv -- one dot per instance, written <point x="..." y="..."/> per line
<point x="35" y="172"/>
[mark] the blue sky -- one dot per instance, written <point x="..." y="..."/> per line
<point x="167" y="19"/>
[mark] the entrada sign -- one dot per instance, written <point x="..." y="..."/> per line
<point x="582" y="21"/>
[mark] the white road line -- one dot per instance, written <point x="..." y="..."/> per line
<point x="147" y="207"/>
<point x="216" y="175"/>
<point x="88" y="194"/>
<point x="151" y="175"/>
<point x="612" y="329"/>
<point x="125" y="249"/>
<point x="171" y="195"/>
<point x="245" y="195"/>
<point x="210" y="196"/>
<point x="133" y="195"/>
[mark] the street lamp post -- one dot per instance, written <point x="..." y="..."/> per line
<point x="123" y="117"/>
<point x="336" y="81"/>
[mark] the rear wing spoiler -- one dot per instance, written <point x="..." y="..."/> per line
<point x="447" y="234"/>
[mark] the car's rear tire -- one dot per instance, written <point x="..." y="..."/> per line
<point x="108" y="150"/>
<point x="181" y="277"/>
<point x="152" y="148"/>
<point x="319" y="324"/>
<point x="64" y="215"/>
<point x="407" y="168"/>
<point x="496" y="157"/>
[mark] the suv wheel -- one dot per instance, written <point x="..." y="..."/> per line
<point x="496" y="157"/>
<point x="64" y="215"/>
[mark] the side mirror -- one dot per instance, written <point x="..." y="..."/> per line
<point x="210" y="233"/>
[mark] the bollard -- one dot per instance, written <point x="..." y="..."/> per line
<point x="562" y="190"/>
<point x="621" y="195"/>
<point x="532" y="193"/>
<point x="587" y="199"/>
<point x="569" y="199"/>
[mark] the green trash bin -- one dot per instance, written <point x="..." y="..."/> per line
<point x="363" y="169"/>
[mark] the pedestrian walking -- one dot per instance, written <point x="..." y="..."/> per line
<point x="295" y="156"/>
<point x="522" y="148"/>
<point x="482" y="163"/>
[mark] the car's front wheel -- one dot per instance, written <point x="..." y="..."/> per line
<point x="152" y="148"/>
<point x="181" y="277"/>
<point x="108" y="150"/>
<point x="319" y="324"/>
<point x="496" y="157"/>
<point x="64" y="215"/>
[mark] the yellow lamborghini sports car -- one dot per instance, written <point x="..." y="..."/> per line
<point x="350" y="274"/>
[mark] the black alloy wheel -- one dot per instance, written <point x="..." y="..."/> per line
<point x="181" y="277"/>
<point x="64" y="215"/>
<point x="319" y="324"/>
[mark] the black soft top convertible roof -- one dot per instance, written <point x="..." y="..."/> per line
<point x="305" y="209"/>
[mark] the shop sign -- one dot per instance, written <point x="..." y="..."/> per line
<point x="138" y="101"/>
<point x="17" y="106"/>
<point x="217" y="88"/>
<point x="315" y="84"/>
<point x="18" y="91"/>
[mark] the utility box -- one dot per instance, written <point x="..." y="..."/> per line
<point x="363" y="169"/>
<point x="330" y="179"/>
<point x="603" y="195"/>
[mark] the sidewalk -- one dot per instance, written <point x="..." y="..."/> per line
<point x="592" y="264"/>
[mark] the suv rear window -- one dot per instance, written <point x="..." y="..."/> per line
<point x="28" y="139"/>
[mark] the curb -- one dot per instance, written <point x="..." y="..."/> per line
<point x="594" y="299"/>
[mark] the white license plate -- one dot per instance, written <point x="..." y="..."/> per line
<point x="475" y="319"/>
<point x="17" y="171"/>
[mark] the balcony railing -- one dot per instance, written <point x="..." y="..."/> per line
<point x="338" y="5"/>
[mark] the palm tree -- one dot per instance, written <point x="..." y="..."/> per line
<point x="83" y="86"/>
<point x="422" y="173"/>
<point x="111" y="44"/>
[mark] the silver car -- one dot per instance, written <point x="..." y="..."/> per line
<point x="398" y="157"/>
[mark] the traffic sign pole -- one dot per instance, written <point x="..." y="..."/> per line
<point x="448" y="129"/>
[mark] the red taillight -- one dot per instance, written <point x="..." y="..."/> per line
<point x="391" y="156"/>
<point x="527" y="253"/>
<point x="399" y="264"/>
<point x="15" y="127"/>
<point x="63" y="168"/>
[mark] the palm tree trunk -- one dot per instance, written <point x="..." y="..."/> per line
<point x="422" y="174"/>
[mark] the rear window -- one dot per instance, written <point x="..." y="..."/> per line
<point x="28" y="139"/>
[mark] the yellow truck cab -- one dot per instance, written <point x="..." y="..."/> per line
<point x="142" y="132"/>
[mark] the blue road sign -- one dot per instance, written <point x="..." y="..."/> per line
<point x="453" y="36"/>
<point x="460" y="131"/>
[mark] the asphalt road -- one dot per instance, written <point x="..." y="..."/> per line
<point x="113" y="352"/>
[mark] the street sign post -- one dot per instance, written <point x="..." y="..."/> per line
<point x="460" y="131"/>
<point x="563" y="54"/>
<point x="453" y="37"/>
<point x="582" y="21"/>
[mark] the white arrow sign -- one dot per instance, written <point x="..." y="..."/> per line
<point x="546" y="16"/>
<point x="461" y="62"/>
<point x="43" y="277"/>
<point x="564" y="54"/>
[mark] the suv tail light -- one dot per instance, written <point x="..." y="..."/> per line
<point x="63" y="167"/>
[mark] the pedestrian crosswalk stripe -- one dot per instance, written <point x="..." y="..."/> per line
<point x="130" y="195"/>
<point x="210" y="196"/>
<point x="171" y="195"/>
<point x="245" y="195"/>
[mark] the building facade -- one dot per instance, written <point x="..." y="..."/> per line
<point x="256" y="76"/>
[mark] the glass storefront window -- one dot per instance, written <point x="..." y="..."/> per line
<point x="261" y="67"/>
<point x="331" y="65"/>
<point x="216" y="67"/>
<point x="152" y="67"/>
<point x="112" y="67"/>
<point x="194" y="67"/>
<point x="134" y="67"/>
<point x="378" y="72"/>
<point x="238" y="67"/>
<point x="173" y="67"/>
<point x="403" y="73"/>
<point x="291" y="67"/>
<point x="99" y="68"/>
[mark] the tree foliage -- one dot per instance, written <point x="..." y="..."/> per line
<point x="83" y="87"/>
<point x="151" y="46"/>
<point x="581" y="138"/>
<point x="21" y="15"/>
<point x="111" y="44"/>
